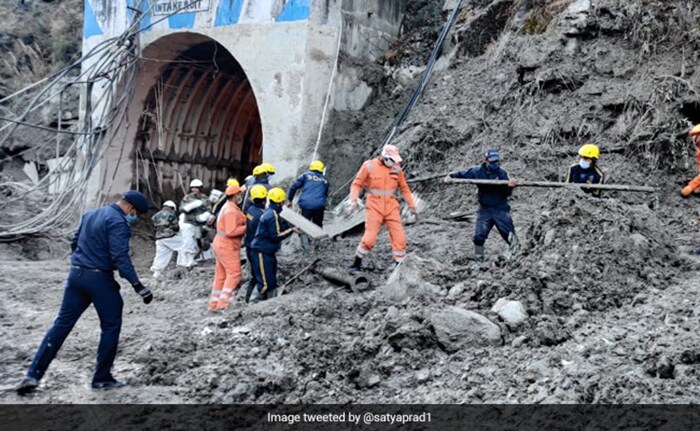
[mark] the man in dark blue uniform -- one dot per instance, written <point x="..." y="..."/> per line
<point x="258" y="193"/>
<point x="493" y="204"/>
<point x="100" y="246"/>
<point x="587" y="170"/>
<point x="314" y="194"/>
<point x="271" y="231"/>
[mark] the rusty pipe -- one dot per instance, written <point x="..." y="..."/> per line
<point x="343" y="278"/>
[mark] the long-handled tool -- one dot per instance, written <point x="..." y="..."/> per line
<point x="295" y="276"/>
<point x="619" y="187"/>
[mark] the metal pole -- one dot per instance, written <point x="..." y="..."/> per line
<point x="620" y="187"/>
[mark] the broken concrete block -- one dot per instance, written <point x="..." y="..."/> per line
<point x="512" y="312"/>
<point x="457" y="328"/>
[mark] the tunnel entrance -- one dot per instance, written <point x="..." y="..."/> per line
<point x="200" y="119"/>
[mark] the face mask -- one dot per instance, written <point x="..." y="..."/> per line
<point x="584" y="164"/>
<point x="492" y="166"/>
<point x="389" y="163"/>
<point x="131" y="219"/>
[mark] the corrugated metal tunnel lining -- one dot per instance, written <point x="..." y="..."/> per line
<point x="200" y="120"/>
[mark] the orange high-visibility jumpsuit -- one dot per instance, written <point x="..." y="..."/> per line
<point x="381" y="184"/>
<point x="230" y="228"/>
<point x="694" y="184"/>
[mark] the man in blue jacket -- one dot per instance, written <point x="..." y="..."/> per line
<point x="493" y="204"/>
<point x="271" y="231"/>
<point x="100" y="246"/>
<point x="314" y="193"/>
<point x="258" y="193"/>
<point x="260" y="176"/>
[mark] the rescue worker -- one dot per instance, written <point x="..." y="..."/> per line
<point x="230" y="228"/>
<point x="271" y="231"/>
<point x="167" y="232"/>
<point x="587" y="170"/>
<point x="493" y="204"/>
<point x="221" y="200"/>
<point x="694" y="185"/>
<point x="99" y="247"/>
<point x="258" y="194"/>
<point x="260" y="176"/>
<point x="195" y="214"/>
<point x="314" y="194"/>
<point x="382" y="177"/>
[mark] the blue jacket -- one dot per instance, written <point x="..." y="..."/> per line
<point x="314" y="190"/>
<point x="490" y="196"/>
<point x="255" y="211"/>
<point x="102" y="242"/>
<point x="271" y="231"/>
<point x="247" y="201"/>
<point x="592" y="175"/>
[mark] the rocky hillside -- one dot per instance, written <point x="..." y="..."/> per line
<point x="37" y="37"/>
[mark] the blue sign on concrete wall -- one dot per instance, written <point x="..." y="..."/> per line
<point x="181" y="14"/>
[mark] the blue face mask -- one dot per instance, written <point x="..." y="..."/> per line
<point x="131" y="219"/>
<point x="584" y="164"/>
<point x="492" y="166"/>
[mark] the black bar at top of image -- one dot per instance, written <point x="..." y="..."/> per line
<point x="349" y="417"/>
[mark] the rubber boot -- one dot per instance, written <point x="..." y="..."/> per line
<point x="356" y="265"/>
<point x="479" y="253"/>
<point x="514" y="246"/>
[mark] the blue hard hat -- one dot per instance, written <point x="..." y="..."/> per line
<point x="492" y="155"/>
<point x="138" y="200"/>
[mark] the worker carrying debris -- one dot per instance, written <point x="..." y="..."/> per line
<point x="99" y="247"/>
<point x="258" y="194"/>
<point x="381" y="178"/>
<point x="196" y="213"/>
<point x="261" y="175"/>
<point x="586" y="171"/>
<point x="271" y="231"/>
<point x="230" y="228"/>
<point x="314" y="195"/>
<point x="168" y="240"/>
<point x="493" y="204"/>
<point x="694" y="185"/>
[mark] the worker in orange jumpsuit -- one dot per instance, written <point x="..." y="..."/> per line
<point x="381" y="178"/>
<point x="230" y="228"/>
<point x="694" y="185"/>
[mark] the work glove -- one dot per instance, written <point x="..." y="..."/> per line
<point x="143" y="292"/>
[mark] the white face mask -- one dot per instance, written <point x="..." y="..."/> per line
<point x="584" y="164"/>
<point x="389" y="163"/>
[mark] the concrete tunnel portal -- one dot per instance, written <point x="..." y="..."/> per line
<point x="199" y="117"/>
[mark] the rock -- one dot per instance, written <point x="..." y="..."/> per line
<point x="240" y="330"/>
<point x="422" y="376"/>
<point x="456" y="291"/>
<point x="665" y="368"/>
<point x="519" y="341"/>
<point x="512" y="312"/>
<point x="456" y="328"/>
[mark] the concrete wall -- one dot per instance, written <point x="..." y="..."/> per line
<point x="286" y="48"/>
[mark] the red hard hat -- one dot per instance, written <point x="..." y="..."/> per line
<point x="232" y="190"/>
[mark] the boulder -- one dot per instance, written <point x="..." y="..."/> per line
<point x="456" y="328"/>
<point x="512" y="312"/>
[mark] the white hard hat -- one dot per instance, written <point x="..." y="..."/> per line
<point x="196" y="183"/>
<point x="170" y="204"/>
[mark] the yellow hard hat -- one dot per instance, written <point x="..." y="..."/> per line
<point x="317" y="166"/>
<point x="277" y="195"/>
<point x="695" y="130"/>
<point x="589" y="151"/>
<point x="268" y="168"/>
<point x="232" y="182"/>
<point x="258" y="192"/>
<point x="258" y="170"/>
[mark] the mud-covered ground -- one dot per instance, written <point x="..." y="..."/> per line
<point x="611" y="296"/>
